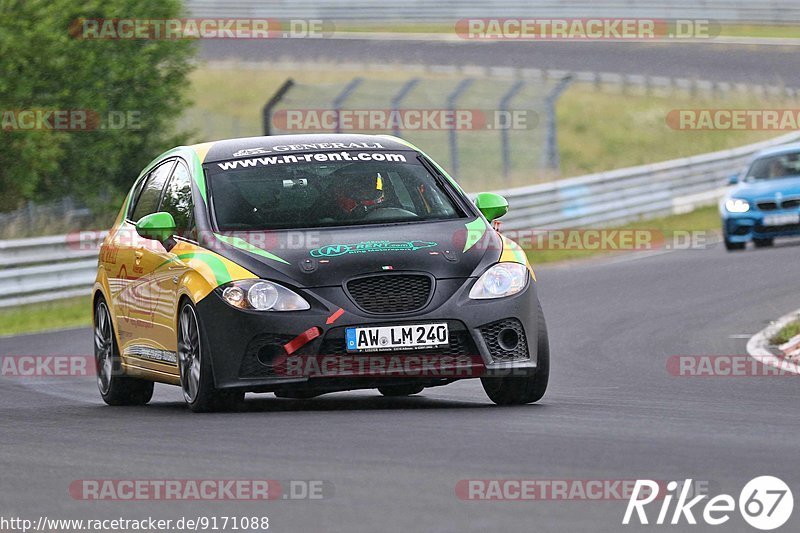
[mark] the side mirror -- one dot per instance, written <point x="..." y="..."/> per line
<point x="733" y="180"/>
<point x="156" y="226"/>
<point x="492" y="205"/>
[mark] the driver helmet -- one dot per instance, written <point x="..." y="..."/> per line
<point x="360" y="193"/>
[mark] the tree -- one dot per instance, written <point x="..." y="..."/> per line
<point x="45" y="64"/>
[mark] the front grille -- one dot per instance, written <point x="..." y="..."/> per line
<point x="769" y="205"/>
<point x="789" y="204"/>
<point x="391" y="293"/>
<point x="777" y="229"/>
<point x="496" y="336"/>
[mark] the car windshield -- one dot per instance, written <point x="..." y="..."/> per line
<point x="775" y="167"/>
<point x="295" y="191"/>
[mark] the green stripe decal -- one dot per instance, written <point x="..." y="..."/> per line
<point x="519" y="253"/>
<point x="242" y="244"/>
<point x="199" y="177"/>
<point x="219" y="269"/>
<point x="475" y="231"/>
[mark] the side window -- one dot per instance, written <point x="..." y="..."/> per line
<point x="150" y="196"/>
<point x="178" y="199"/>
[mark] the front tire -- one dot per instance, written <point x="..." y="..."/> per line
<point x="115" y="388"/>
<point x="194" y="364"/>
<point x="514" y="390"/>
<point x="734" y="246"/>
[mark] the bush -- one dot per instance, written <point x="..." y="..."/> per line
<point x="45" y="67"/>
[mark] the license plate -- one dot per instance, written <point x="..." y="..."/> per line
<point x="781" y="220"/>
<point x="406" y="337"/>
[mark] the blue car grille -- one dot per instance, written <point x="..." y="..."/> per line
<point x="773" y="205"/>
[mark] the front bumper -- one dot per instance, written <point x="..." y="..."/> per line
<point x="744" y="227"/>
<point x="246" y="346"/>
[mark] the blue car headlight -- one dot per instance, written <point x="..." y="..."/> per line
<point x="737" y="205"/>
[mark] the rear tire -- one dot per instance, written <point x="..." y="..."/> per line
<point x="194" y="364"/>
<point x="393" y="391"/>
<point x="115" y="388"/>
<point x="513" y="390"/>
<point x="763" y="243"/>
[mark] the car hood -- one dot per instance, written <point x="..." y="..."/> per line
<point x="325" y="257"/>
<point x="758" y="190"/>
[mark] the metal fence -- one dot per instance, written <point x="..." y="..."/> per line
<point x="763" y="11"/>
<point x="475" y="125"/>
<point x="49" y="268"/>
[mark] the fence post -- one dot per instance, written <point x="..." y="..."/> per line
<point x="551" y="146"/>
<point x="452" y="99"/>
<point x="266" y="112"/>
<point x="398" y="98"/>
<point x="342" y="96"/>
<point x="504" y="141"/>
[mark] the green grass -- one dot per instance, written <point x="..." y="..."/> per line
<point x="761" y="30"/>
<point x="58" y="314"/>
<point x="664" y="229"/>
<point x="597" y="130"/>
<point x="788" y="331"/>
<point x="603" y="131"/>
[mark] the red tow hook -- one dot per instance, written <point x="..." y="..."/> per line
<point x="301" y="340"/>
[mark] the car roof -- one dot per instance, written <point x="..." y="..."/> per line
<point x="224" y="150"/>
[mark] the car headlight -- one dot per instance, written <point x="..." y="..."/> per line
<point x="737" y="205"/>
<point x="503" y="279"/>
<point x="262" y="295"/>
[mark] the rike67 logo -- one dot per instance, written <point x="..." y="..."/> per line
<point x="766" y="503"/>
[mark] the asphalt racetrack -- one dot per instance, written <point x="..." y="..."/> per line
<point x="613" y="412"/>
<point x="738" y="63"/>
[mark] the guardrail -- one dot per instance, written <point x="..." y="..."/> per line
<point x="618" y="196"/>
<point x="50" y="268"/>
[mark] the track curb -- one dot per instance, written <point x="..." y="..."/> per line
<point x="758" y="345"/>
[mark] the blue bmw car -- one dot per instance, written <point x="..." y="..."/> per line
<point x="765" y="201"/>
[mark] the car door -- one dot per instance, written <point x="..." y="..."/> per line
<point x="140" y="337"/>
<point x="165" y="278"/>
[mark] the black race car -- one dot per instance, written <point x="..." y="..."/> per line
<point x="302" y="265"/>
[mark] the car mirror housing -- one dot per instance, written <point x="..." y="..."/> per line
<point x="493" y="206"/>
<point x="733" y="179"/>
<point x="156" y="226"/>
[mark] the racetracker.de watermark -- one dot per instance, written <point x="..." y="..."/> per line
<point x="726" y="366"/>
<point x="68" y="120"/>
<point x="734" y="119"/>
<point x="376" y="119"/>
<point x="47" y="366"/>
<point x="171" y="29"/>
<point x="594" y="239"/>
<point x="419" y="365"/>
<point x="561" y="489"/>
<point x="586" y="29"/>
<point x="199" y="489"/>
